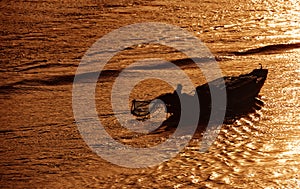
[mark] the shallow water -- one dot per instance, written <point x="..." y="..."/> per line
<point x="42" y="43"/>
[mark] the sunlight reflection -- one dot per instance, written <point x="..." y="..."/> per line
<point x="292" y="147"/>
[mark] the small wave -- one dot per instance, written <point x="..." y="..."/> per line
<point x="57" y="80"/>
<point x="269" y="49"/>
<point x="52" y="81"/>
<point x="184" y="62"/>
<point x="45" y="66"/>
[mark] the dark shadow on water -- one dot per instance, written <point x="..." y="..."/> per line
<point x="268" y="49"/>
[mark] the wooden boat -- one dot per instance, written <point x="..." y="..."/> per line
<point x="241" y="90"/>
<point x="241" y="93"/>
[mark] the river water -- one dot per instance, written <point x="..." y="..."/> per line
<point x="43" y="42"/>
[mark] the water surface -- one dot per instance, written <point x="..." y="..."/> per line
<point x="42" y="43"/>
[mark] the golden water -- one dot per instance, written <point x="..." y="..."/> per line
<point x="42" y="43"/>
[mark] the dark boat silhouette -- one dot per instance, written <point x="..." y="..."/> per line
<point x="241" y="93"/>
